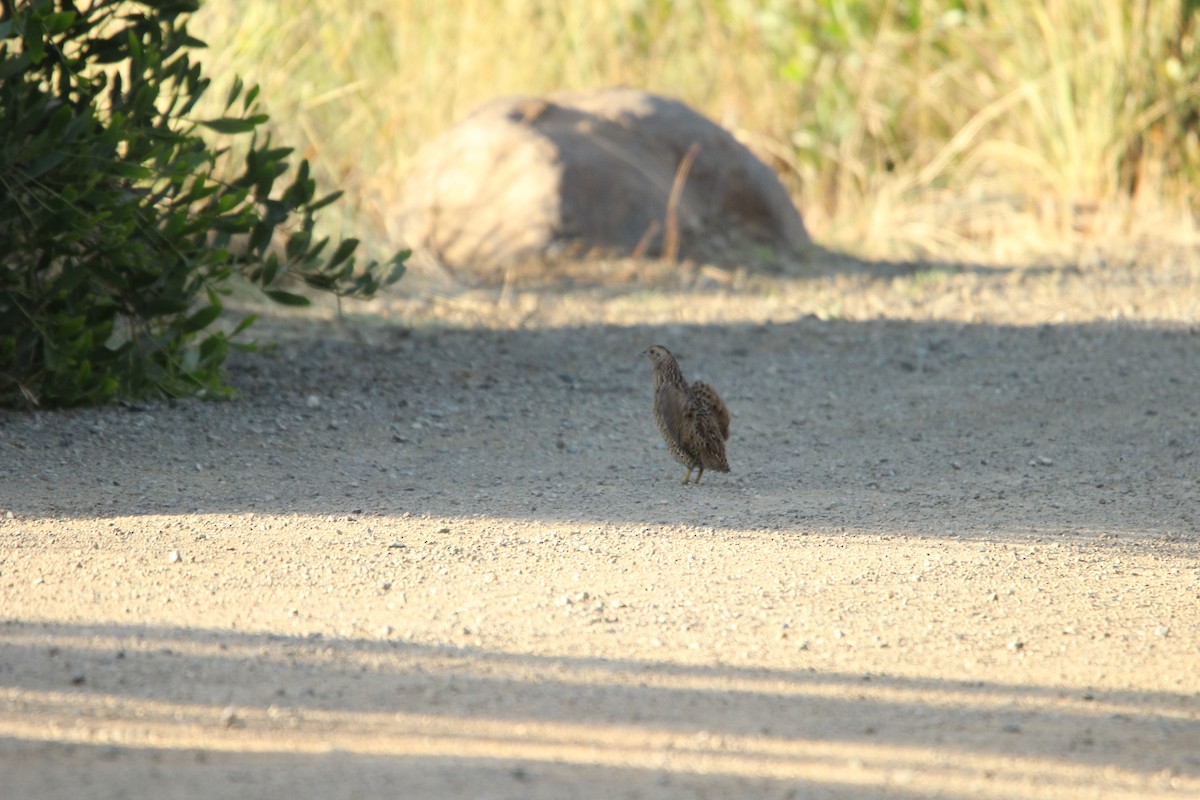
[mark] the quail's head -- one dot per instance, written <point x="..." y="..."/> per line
<point x="657" y="354"/>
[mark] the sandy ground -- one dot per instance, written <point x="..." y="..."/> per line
<point x="438" y="551"/>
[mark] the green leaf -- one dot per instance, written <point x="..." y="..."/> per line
<point x="287" y="298"/>
<point x="213" y="349"/>
<point x="246" y="322"/>
<point x="234" y="92"/>
<point x="58" y="23"/>
<point x="270" y="267"/>
<point x="201" y="319"/>
<point x="15" y="66"/>
<point x="35" y="38"/>
<point x="235" y="124"/>
<point x="344" y="250"/>
<point x="398" y="267"/>
<point x="332" y="197"/>
<point x="274" y="154"/>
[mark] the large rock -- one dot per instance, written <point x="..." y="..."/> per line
<point x="524" y="177"/>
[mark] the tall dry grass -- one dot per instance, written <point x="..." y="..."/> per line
<point x="964" y="130"/>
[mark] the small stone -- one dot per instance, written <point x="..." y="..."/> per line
<point x="312" y="401"/>
<point x="78" y="677"/>
<point x="230" y="719"/>
<point x="173" y="557"/>
<point x="1016" y="645"/>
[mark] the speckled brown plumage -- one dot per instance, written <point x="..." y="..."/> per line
<point x="693" y="420"/>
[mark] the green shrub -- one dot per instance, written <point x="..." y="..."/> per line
<point x="118" y="235"/>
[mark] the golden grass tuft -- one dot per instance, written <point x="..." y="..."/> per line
<point x="981" y="131"/>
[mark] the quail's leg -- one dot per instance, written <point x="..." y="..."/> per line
<point x="698" y="474"/>
<point x="688" y="477"/>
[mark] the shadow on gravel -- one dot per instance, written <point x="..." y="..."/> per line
<point x="395" y="711"/>
<point x="923" y="429"/>
<point x="151" y="772"/>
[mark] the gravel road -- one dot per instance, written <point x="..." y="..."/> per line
<point x="439" y="550"/>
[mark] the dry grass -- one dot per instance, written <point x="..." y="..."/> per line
<point x="971" y="130"/>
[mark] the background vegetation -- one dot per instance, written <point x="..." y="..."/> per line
<point x="121" y="225"/>
<point x="960" y="129"/>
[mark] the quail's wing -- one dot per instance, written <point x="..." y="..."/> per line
<point x="701" y="437"/>
<point x="673" y="406"/>
<point x="716" y="406"/>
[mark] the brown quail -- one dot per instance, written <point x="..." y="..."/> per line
<point x="693" y="420"/>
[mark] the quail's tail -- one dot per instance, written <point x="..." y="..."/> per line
<point x="708" y="396"/>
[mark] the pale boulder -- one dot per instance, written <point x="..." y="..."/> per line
<point x="523" y="178"/>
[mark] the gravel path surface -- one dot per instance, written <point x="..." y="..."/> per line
<point x="440" y="551"/>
